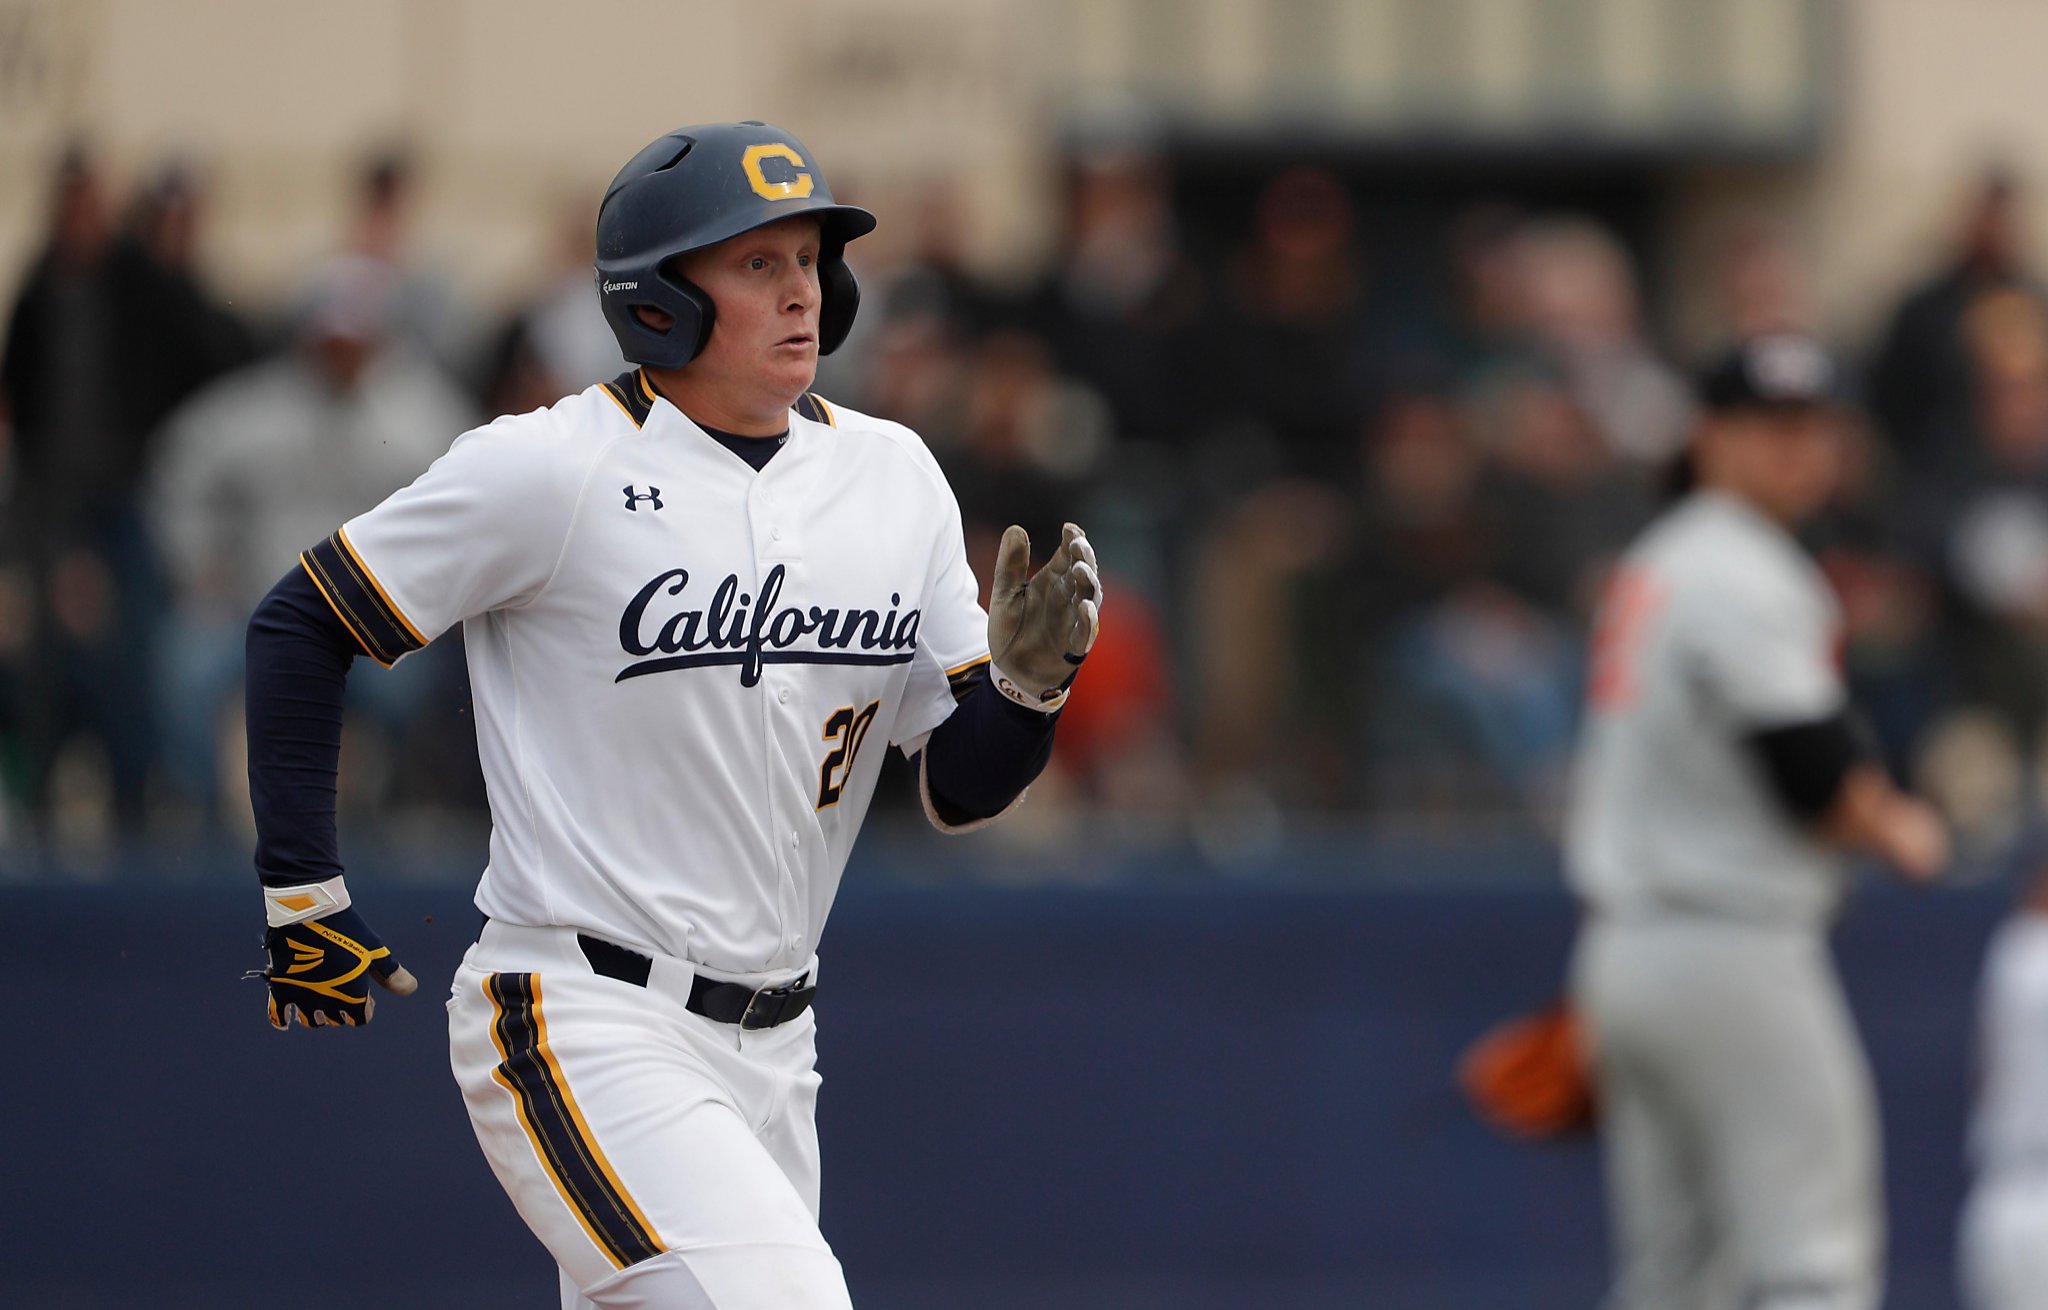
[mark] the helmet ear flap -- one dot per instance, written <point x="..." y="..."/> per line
<point x="693" y="325"/>
<point x="838" y="299"/>
<point x="642" y="343"/>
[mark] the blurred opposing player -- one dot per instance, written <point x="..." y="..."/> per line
<point x="2004" y="1239"/>
<point x="692" y="599"/>
<point x="1719" y="789"/>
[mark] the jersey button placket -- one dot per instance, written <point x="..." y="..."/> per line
<point x="779" y="540"/>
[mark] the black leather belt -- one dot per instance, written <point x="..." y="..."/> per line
<point x="722" y="1002"/>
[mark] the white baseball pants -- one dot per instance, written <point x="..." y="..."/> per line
<point x="668" y="1162"/>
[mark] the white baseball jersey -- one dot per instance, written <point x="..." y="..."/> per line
<point x="2003" y="1243"/>
<point x="1716" y="625"/>
<point x="678" y="664"/>
<point x="2010" y="1125"/>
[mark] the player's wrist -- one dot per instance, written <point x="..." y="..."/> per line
<point x="1045" y="700"/>
<point x="284" y="906"/>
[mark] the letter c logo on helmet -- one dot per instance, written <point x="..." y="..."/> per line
<point x="796" y="188"/>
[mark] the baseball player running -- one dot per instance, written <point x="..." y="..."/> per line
<point x="2004" y="1240"/>
<point x="1720" y="787"/>
<point x="695" y="600"/>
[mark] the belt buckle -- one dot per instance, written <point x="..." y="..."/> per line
<point x="779" y="995"/>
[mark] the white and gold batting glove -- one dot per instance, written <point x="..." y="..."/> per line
<point x="1042" y="625"/>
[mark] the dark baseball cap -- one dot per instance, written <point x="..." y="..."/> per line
<point x="1781" y="371"/>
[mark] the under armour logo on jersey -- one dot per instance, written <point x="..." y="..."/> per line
<point x="634" y="496"/>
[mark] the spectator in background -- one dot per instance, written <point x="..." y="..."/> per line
<point x="918" y="368"/>
<point x="1122" y="304"/>
<point x="1478" y="549"/>
<point x="1585" y="317"/>
<point x="1289" y="334"/>
<point x="1892" y="651"/>
<point x="1029" y="438"/>
<point x="1562" y="503"/>
<point x="16" y="629"/>
<point x="1994" y="517"/>
<point x="1124" y="755"/>
<point x="1423" y="535"/>
<point x="935" y="277"/>
<point x="259" y="467"/>
<point x="424" y="310"/>
<point x="1922" y="381"/>
<point x="558" y="342"/>
<point x="108" y="333"/>
<point x="1488" y="327"/>
<point x="1761" y="283"/>
<point x="925" y="299"/>
<point x="1266" y="735"/>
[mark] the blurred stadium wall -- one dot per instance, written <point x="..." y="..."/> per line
<point x="1861" y="116"/>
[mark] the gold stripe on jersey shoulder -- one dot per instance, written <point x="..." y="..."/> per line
<point x="612" y="390"/>
<point x="632" y="393"/>
<point x="813" y="407"/>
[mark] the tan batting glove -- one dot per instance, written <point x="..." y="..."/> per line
<point x="1042" y="625"/>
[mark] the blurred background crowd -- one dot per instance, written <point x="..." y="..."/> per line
<point x="1355" y="499"/>
<point x="1359" y="379"/>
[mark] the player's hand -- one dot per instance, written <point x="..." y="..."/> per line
<point x="1042" y="625"/>
<point x="320" y="970"/>
<point x="1916" y="840"/>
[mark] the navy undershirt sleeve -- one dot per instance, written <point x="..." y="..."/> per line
<point x="985" y="754"/>
<point x="298" y="657"/>
<point x="1807" y="762"/>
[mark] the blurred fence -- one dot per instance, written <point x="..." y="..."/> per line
<point x="1195" y="1095"/>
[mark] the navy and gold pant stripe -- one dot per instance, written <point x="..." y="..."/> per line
<point x="963" y="679"/>
<point x="359" y="601"/>
<point x="527" y="1069"/>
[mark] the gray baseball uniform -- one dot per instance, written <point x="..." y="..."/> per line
<point x="1738" y="1112"/>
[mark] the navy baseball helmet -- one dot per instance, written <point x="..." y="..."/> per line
<point x="694" y="188"/>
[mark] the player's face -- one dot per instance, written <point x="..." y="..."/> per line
<point x="763" y="351"/>
<point x="1788" y="461"/>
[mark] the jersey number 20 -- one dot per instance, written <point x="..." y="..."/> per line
<point x="849" y="729"/>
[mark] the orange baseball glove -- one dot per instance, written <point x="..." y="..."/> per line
<point x="1528" y="1077"/>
